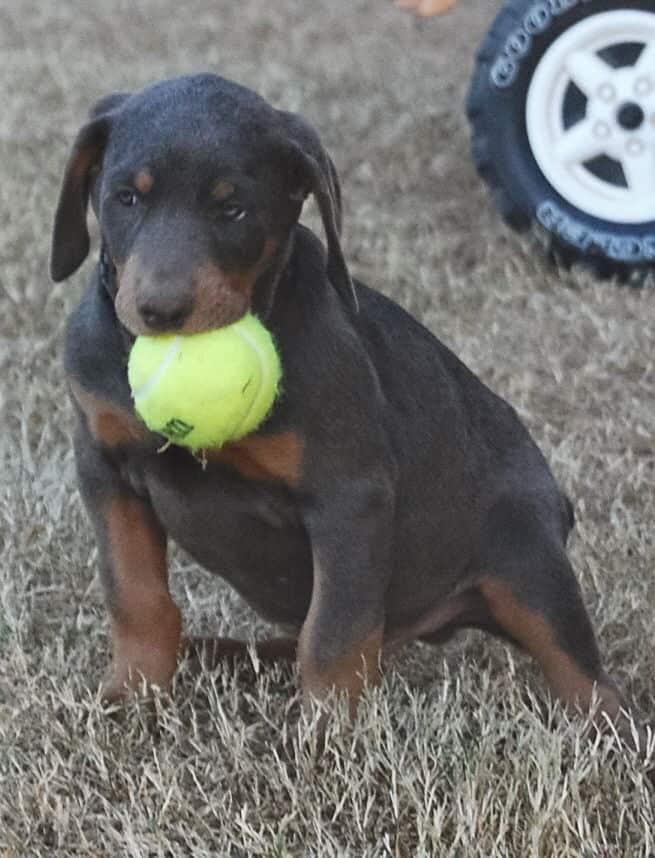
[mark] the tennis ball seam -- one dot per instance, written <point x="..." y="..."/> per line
<point x="150" y="384"/>
<point x="263" y="375"/>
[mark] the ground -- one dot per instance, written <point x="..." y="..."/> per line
<point x="460" y="752"/>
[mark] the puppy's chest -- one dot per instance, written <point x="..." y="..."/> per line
<point x="199" y="502"/>
<point x="250" y="532"/>
<point x="258" y="474"/>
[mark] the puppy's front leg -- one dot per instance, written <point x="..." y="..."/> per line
<point x="145" y="622"/>
<point x="341" y="638"/>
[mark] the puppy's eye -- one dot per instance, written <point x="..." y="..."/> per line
<point x="127" y="197"/>
<point x="233" y="212"/>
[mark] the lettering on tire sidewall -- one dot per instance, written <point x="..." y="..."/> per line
<point x="632" y="249"/>
<point x="539" y="18"/>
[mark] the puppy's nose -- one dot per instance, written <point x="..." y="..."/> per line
<point x="161" y="315"/>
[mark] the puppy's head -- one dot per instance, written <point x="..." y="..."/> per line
<point x="196" y="183"/>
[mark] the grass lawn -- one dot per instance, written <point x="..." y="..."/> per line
<point x="460" y="752"/>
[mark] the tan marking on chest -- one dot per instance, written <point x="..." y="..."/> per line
<point x="275" y="458"/>
<point x="108" y="423"/>
<point x="146" y="623"/>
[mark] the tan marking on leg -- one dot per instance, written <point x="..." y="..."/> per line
<point x="108" y="423"/>
<point x="532" y="631"/>
<point x="358" y="663"/>
<point x="146" y="623"/>
<point x="264" y="457"/>
<point x="143" y="181"/>
<point x="348" y="673"/>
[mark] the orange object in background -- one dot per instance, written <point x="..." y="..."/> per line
<point x="426" y="8"/>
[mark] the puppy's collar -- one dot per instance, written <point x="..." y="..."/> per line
<point x="107" y="273"/>
<point x="107" y="276"/>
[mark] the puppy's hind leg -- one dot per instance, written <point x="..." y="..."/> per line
<point x="532" y="595"/>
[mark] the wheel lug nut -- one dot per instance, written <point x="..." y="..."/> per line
<point x="606" y="92"/>
<point x="634" y="147"/>
<point x="643" y="86"/>
<point x="601" y="129"/>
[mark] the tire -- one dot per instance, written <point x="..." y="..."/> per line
<point x="549" y="69"/>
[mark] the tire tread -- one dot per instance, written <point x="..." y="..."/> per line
<point x="515" y="213"/>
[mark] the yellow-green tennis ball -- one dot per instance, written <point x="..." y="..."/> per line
<point x="203" y="390"/>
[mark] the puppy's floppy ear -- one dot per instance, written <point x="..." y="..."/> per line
<point x="70" y="237"/>
<point x="108" y="103"/>
<point x="318" y="176"/>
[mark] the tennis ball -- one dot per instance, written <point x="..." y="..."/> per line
<point x="202" y="390"/>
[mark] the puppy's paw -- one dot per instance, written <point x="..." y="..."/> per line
<point x="123" y="681"/>
<point x="114" y="690"/>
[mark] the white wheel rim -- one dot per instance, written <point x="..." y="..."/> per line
<point x="606" y="129"/>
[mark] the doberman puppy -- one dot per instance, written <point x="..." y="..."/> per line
<point x="389" y="496"/>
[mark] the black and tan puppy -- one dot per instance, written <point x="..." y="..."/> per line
<point x="390" y="495"/>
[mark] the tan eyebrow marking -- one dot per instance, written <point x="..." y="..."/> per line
<point x="143" y="181"/>
<point x="222" y="190"/>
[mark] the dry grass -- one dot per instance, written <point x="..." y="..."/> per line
<point x="459" y="753"/>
